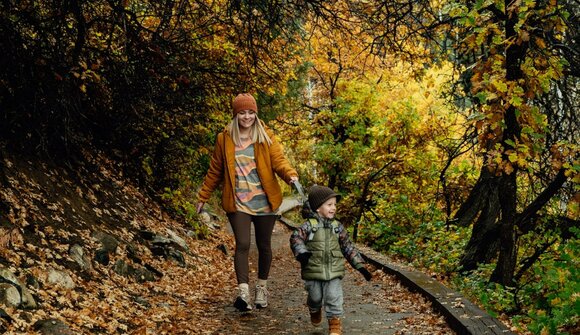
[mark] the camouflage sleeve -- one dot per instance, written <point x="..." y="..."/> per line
<point x="299" y="237"/>
<point x="348" y="248"/>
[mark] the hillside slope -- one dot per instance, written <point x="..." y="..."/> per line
<point x="89" y="253"/>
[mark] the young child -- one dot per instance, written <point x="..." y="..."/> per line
<point x="320" y="245"/>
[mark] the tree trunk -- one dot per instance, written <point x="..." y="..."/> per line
<point x="492" y="203"/>
<point x="477" y="198"/>
<point x="332" y="178"/>
<point x="506" y="263"/>
<point x="484" y="242"/>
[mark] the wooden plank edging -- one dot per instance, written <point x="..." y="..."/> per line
<point x="463" y="316"/>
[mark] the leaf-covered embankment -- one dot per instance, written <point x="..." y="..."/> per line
<point x="100" y="256"/>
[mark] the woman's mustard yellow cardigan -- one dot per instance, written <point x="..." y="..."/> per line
<point x="270" y="161"/>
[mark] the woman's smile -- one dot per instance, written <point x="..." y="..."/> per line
<point x="246" y="118"/>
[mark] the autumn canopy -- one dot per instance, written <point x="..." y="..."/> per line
<point x="449" y="127"/>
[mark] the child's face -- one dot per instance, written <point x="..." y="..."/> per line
<point x="328" y="208"/>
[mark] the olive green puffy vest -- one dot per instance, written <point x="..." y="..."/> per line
<point x="327" y="261"/>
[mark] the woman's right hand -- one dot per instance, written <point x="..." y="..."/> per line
<point x="199" y="206"/>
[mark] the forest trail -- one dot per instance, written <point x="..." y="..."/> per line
<point x="381" y="306"/>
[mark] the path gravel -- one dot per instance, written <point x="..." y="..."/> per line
<point x="381" y="306"/>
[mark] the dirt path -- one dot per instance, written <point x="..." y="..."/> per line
<point x="381" y="306"/>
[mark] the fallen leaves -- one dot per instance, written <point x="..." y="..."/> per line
<point x="11" y="238"/>
<point x="65" y="207"/>
<point x="185" y="300"/>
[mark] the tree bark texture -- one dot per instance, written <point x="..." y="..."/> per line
<point x="483" y="201"/>
<point x="506" y="263"/>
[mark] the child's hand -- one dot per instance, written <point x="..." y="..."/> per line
<point x="303" y="258"/>
<point x="365" y="273"/>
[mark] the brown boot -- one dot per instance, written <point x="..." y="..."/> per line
<point x="316" y="318"/>
<point x="334" y="326"/>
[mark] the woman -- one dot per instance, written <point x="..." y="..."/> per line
<point x="246" y="159"/>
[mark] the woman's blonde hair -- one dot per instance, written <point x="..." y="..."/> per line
<point x="258" y="133"/>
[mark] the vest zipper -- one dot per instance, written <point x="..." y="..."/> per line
<point x="327" y="263"/>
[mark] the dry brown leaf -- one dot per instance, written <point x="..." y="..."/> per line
<point x="4" y="238"/>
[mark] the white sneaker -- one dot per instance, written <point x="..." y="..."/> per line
<point x="261" y="299"/>
<point x="242" y="302"/>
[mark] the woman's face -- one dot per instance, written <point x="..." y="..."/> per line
<point x="246" y="118"/>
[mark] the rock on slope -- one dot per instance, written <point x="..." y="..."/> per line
<point x="88" y="253"/>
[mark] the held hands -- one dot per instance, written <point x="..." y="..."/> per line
<point x="365" y="273"/>
<point x="303" y="258"/>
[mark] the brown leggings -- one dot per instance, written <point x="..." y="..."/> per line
<point x="263" y="227"/>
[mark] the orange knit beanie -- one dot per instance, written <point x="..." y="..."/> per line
<point x="244" y="101"/>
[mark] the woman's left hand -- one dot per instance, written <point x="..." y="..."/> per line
<point x="293" y="179"/>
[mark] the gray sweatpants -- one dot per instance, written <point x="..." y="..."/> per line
<point x="327" y="294"/>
